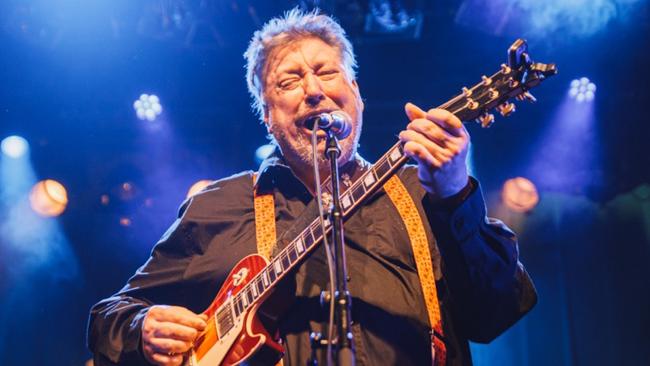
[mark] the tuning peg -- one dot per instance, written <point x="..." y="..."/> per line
<point x="472" y="104"/>
<point x="506" y="109"/>
<point x="505" y="69"/>
<point x="493" y="93"/>
<point x="486" y="80"/>
<point x="485" y="119"/>
<point x="527" y="97"/>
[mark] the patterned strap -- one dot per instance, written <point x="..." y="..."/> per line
<point x="264" y="222"/>
<point x="265" y="235"/>
<point x="411" y="217"/>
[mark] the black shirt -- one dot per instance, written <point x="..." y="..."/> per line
<point x="482" y="287"/>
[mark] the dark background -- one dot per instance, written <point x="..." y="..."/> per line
<point x="70" y="71"/>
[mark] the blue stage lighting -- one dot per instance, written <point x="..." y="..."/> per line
<point x="14" y="146"/>
<point x="582" y="90"/>
<point x="147" y="107"/>
<point x="263" y="152"/>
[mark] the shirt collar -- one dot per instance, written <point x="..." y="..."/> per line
<point x="274" y="167"/>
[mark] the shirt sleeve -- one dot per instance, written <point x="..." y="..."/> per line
<point x="186" y="268"/>
<point x="489" y="288"/>
<point x="114" y="327"/>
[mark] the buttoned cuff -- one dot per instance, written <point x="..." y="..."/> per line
<point x="462" y="213"/>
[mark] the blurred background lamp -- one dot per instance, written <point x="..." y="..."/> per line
<point x="147" y="107"/>
<point x="519" y="194"/>
<point x="198" y="187"/>
<point x="48" y="198"/>
<point x="263" y="152"/>
<point x="582" y="90"/>
<point x="14" y="146"/>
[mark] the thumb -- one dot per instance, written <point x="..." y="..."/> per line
<point x="413" y="111"/>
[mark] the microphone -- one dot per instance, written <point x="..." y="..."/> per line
<point x="337" y="122"/>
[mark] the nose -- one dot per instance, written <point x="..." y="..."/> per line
<point x="313" y="90"/>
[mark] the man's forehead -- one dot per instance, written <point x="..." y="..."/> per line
<point x="288" y="56"/>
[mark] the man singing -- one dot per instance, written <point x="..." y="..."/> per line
<point x="298" y="66"/>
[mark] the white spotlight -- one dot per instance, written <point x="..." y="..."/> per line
<point x="147" y="107"/>
<point x="263" y="152"/>
<point x="14" y="146"/>
<point x="582" y="90"/>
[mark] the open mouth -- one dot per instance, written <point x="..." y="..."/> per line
<point x="306" y="126"/>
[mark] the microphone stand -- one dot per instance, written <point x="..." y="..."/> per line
<point x="343" y="307"/>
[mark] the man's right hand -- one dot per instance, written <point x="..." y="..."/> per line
<point x="168" y="332"/>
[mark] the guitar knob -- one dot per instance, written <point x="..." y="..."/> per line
<point x="527" y="97"/>
<point x="472" y="104"/>
<point x="486" y="80"/>
<point x="506" y="109"/>
<point x="486" y="119"/>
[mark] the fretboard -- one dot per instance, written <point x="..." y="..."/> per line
<point x="371" y="180"/>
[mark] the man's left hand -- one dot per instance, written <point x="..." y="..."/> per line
<point x="438" y="142"/>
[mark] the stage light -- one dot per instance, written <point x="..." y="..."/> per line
<point x="105" y="199"/>
<point x="565" y="19"/>
<point x="582" y="90"/>
<point x="147" y="107"/>
<point x="48" y="198"/>
<point x="264" y="152"/>
<point x="14" y="146"/>
<point x="198" y="187"/>
<point x="519" y="194"/>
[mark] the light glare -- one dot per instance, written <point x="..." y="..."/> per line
<point x="48" y="198"/>
<point x="14" y="146"/>
<point x="147" y="107"/>
<point x="582" y="90"/>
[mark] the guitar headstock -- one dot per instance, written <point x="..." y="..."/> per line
<point x="513" y="80"/>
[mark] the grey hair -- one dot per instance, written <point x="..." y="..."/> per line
<point x="293" y="25"/>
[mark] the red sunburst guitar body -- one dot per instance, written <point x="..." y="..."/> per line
<point x="235" y="335"/>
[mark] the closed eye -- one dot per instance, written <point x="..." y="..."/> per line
<point x="328" y="74"/>
<point x="289" y="83"/>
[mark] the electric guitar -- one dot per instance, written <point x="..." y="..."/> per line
<point x="234" y="334"/>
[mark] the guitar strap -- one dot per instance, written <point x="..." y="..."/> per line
<point x="265" y="235"/>
<point x="411" y="217"/>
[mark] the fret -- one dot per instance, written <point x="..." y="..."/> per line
<point x="292" y="253"/>
<point x="317" y="230"/>
<point x="260" y="286"/>
<point x="369" y="179"/>
<point x="239" y="308"/>
<point x="357" y="192"/>
<point x="308" y="239"/>
<point x="243" y="299"/>
<point x="300" y="245"/>
<point x="277" y="266"/>
<point x="271" y="273"/>
<point x="395" y="153"/>
<point x="381" y="168"/>
<point x="346" y="201"/>
<point x="253" y="289"/>
<point x="249" y="296"/>
<point x="265" y="278"/>
<point x="285" y="261"/>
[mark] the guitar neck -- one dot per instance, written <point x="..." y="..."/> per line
<point x="511" y="80"/>
<point x="307" y="240"/>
